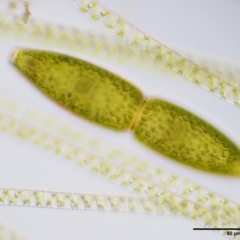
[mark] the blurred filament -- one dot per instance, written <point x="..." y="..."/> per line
<point x="171" y="193"/>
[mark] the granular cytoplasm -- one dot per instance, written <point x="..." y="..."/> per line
<point x="110" y="101"/>
<point x="83" y="88"/>
<point x="180" y="135"/>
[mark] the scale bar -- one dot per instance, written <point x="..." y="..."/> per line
<point x="216" y="229"/>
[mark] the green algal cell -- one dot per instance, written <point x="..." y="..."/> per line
<point x="106" y="99"/>
<point x="87" y="90"/>
<point x="180" y="135"/>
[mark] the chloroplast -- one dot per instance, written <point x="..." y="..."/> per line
<point x="108" y="100"/>
<point x="83" y="88"/>
<point x="180" y="135"/>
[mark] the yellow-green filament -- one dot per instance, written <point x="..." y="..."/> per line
<point x="87" y="90"/>
<point x="182" y="136"/>
<point x="106" y="99"/>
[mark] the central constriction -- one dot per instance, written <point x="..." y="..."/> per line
<point x="109" y="100"/>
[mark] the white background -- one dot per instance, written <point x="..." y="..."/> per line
<point x="211" y="28"/>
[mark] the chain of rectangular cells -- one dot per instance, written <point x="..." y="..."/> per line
<point x="77" y="201"/>
<point x="228" y="71"/>
<point x="151" y="48"/>
<point x="93" y="202"/>
<point x="218" y="212"/>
